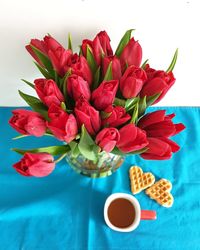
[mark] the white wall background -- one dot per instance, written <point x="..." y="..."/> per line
<point x="161" y="27"/>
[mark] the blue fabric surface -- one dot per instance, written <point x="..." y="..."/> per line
<point x="65" y="209"/>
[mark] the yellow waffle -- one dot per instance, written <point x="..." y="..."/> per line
<point x="140" y="180"/>
<point x="160" y="192"/>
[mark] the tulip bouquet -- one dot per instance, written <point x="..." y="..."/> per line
<point x="95" y="102"/>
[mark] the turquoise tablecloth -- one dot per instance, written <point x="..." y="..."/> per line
<point x="65" y="210"/>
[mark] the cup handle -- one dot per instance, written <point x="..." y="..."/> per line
<point x="148" y="215"/>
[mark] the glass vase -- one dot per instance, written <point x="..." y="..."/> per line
<point x="105" y="165"/>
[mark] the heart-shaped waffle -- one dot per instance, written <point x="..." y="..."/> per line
<point x="160" y="191"/>
<point x="140" y="180"/>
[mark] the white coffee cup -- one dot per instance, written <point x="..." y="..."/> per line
<point x="139" y="214"/>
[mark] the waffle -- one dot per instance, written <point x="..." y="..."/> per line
<point x="140" y="180"/>
<point x="160" y="192"/>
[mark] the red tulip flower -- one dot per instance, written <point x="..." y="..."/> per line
<point x="28" y="122"/>
<point x="159" y="127"/>
<point x="62" y="124"/>
<point x="77" y="86"/>
<point x="132" y="81"/>
<point x="80" y="67"/>
<point x="48" y="92"/>
<point x="87" y="115"/>
<point x="54" y="50"/>
<point x="116" y="66"/>
<point x="160" y="149"/>
<point x="104" y="95"/>
<point x="116" y="116"/>
<point x="158" y="82"/>
<point x="132" y="138"/>
<point x="107" y="139"/>
<point x="157" y="124"/>
<point x="35" y="164"/>
<point x="131" y="54"/>
<point x="99" y="47"/>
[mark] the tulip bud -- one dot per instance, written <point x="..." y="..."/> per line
<point x="131" y="54"/>
<point x="104" y="95"/>
<point x="107" y="139"/>
<point x="62" y="125"/>
<point x="132" y="81"/>
<point x="48" y="92"/>
<point x="87" y="115"/>
<point x="77" y="86"/>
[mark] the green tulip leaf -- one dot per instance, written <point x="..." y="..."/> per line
<point x="135" y="113"/>
<point x="91" y="61"/>
<point x="63" y="83"/>
<point x="151" y="99"/>
<point x="80" y="51"/>
<point x="96" y="78"/>
<point x="130" y="103"/>
<point x="142" y="106"/>
<point x="56" y="78"/>
<point x="70" y="42"/>
<point x="44" y="59"/>
<point x="119" y="152"/>
<point x="108" y="76"/>
<point x="53" y="150"/>
<point x="35" y="104"/>
<point x="44" y="72"/>
<point x="74" y="149"/>
<point x="87" y="146"/>
<point x="29" y="83"/>
<point x="144" y="63"/>
<point x="173" y="62"/>
<point x="105" y="115"/>
<point x="124" y="41"/>
<point x="119" y="102"/>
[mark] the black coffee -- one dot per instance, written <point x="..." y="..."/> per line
<point x="121" y="213"/>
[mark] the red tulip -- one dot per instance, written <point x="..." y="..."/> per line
<point x="160" y="149"/>
<point x="62" y="125"/>
<point x="157" y="124"/>
<point x="116" y="67"/>
<point x="104" y="95"/>
<point x="131" y="54"/>
<point x="80" y="67"/>
<point x="60" y="59"/>
<point x="40" y="45"/>
<point x="132" y="81"/>
<point x="54" y="50"/>
<point x="107" y="139"/>
<point x="51" y="43"/>
<point x="48" y="91"/>
<point x="116" y="116"/>
<point x="132" y="138"/>
<point x="35" y="164"/>
<point x="99" y="47"/>
<point x="28" y="122"/>
<point x="157" y="82"/>
<point x="105" y="43"/>
<point x="87" y="115"/>
<point x="77" y="86"/>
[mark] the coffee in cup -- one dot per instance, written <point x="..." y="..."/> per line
<point x="122" y="212"/>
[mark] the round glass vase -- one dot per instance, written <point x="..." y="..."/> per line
<point x="105" y="165"/>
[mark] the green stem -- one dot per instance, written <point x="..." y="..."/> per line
<point x="19" y="137"/>
<point x="60" y="158"/>
<point x="22" y="136"/>
<point x="119" y="102"/>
